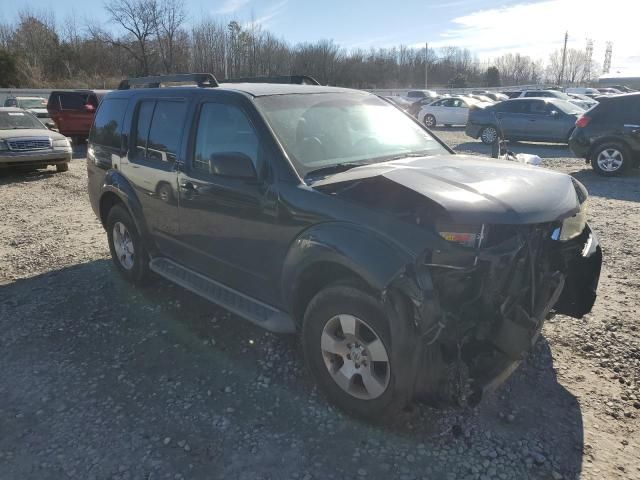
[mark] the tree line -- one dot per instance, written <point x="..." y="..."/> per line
<point x="146" y="37"/>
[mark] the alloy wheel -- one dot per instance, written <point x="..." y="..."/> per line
<point x="123" y="245"/>
<point x="489" y="135"/>
<point x="610" y="160"/>
<point x="355" y="357"/>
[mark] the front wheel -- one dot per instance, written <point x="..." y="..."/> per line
<point x="610" y="159"/>
<point x="127" y="249"/>
<point x="429" y="121"/>
<point x="62" y="167"/>
<point x="489" y="135"/>
<point x="347" y="347"/>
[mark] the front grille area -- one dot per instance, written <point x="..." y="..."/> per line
<point x="29" y="144"/>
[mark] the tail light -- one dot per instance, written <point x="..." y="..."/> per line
<point x="583" y="121"/>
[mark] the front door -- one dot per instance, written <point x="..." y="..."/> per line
<point x="541" y="124"/>
<point x="227" y="216"/>
<point x="156" y="136"/>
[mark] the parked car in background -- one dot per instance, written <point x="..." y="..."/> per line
<point x="35" y="105"/>
<point x="623" y="88"/>
<point x="587" y="91"/>
<point x="327" y="212"/>
<point x="448" y="111"/>
<point x="584" y="104"/>
<point x="535" y="119"/>
<point x="512" y="94"/>
<point x="26" y="143"/>
<point x="416" y="95"/>
<point x="585" y="98"/>
<point x="73" y="111"/>
<point x="495" y="96"/>
<point x="609" y="91"/>
<point x="608" y="135"/>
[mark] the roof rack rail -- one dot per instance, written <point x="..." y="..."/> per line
<point x="288" y="79"/>
<point x="201" y="79"/>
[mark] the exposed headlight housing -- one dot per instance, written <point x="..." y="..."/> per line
<point x="62" y="143"/>
<point x="3" y="145"/>
<point x="573" y="226"/>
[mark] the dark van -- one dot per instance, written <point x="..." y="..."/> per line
<point x="73" y="111"/>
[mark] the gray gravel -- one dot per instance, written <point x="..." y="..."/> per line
<point x="100" y="380"/>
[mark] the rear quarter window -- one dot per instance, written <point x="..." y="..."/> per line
<point x="107" y="126"/>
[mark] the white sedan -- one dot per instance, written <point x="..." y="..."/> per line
<point x="448" y="111"/>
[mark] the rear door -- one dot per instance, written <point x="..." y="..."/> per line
<point x="510" y="118"/>
<point x="73" y="116"/>
<point x="155" y="142"/>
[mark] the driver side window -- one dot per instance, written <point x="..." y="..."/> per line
<point x="223" y="129"/>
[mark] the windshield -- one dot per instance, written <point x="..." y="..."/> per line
<point x="16" y="120"/>
<point x="31" y="103"/>
<point x="326" y="129"/>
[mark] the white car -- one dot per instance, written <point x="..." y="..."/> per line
<point x="448" y="111"/>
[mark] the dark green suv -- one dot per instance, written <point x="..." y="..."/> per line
<point x="409" y="272"/>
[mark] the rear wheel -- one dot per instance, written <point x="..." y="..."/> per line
<point x="62" y="167"/>
<point x="489" y="135"/>
<point x="347" y="347"/>
<point x="429" y="121"/>
<point x="610" y="159"/>
<point x="127" y="249"/>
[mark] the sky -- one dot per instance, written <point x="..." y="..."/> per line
<point x="488" y="27"/>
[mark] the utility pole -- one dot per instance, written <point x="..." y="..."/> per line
<point x="564" y="58"/>
<point x="606" y="67"/>
<point x="426" y="65"/>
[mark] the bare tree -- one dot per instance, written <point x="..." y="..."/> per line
<point x="139" y="18"/>
<point x="168" y="28"/>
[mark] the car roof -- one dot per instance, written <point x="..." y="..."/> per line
<point x="82" y="90"/>
<point x="252" y="89"/>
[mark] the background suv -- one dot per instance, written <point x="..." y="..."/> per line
<point x="608" y="135"/>
<point x="409" y="272"/>
<point x="73" y="111"/>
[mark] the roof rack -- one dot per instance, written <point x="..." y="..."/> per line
<point x="201" y="79"/>
<point x="289" y="79"/>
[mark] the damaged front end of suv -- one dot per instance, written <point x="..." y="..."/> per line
<point x="479" y="293"/>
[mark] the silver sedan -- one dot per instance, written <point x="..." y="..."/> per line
<point x="26" y="142"/>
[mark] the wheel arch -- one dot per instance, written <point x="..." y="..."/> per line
<point x="117" y="190"/>
<point x="608" y="139"/>
<point x="331" y="252"/>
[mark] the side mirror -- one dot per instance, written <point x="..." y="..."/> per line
<point x="51" y="127"/>
<point x="555" y="113"/>
<point x="232" y="164"/>
<point x="89" y="108"/>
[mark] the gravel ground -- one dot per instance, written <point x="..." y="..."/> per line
<point x="101" y="380"/>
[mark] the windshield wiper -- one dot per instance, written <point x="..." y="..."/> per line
<point x="331" y="169"/>
<point x="405" y="155"/>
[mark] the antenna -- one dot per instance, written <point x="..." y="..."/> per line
<point x="606" y="66"/>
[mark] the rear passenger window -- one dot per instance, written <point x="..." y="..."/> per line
<point x="223" y="129"/>
<point x="157" y="134"/>
<point x="73" y="101"/>
<point x="107" y="127"/>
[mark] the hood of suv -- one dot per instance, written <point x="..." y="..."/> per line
<point x="470" y="189"/>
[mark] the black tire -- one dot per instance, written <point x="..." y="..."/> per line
<point x="489" y="135"/>
<point x="165" y="192"/>
<point x="618" y="152"/>
<point x="139" y="271"/>
<point x="429" y="121"/>
<point x="340" y="299"/>
<point x="62" y="167"/>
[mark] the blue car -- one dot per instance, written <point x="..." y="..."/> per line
<point x="529" y="119"/>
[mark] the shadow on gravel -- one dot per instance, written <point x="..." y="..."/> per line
<point x="12" y="175"/>
<point x="624" y="187"/>
<point x="544" y="150"/>
<point x="102" y="379"/>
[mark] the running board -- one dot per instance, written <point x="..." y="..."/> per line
<point x="261" y="314"/>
